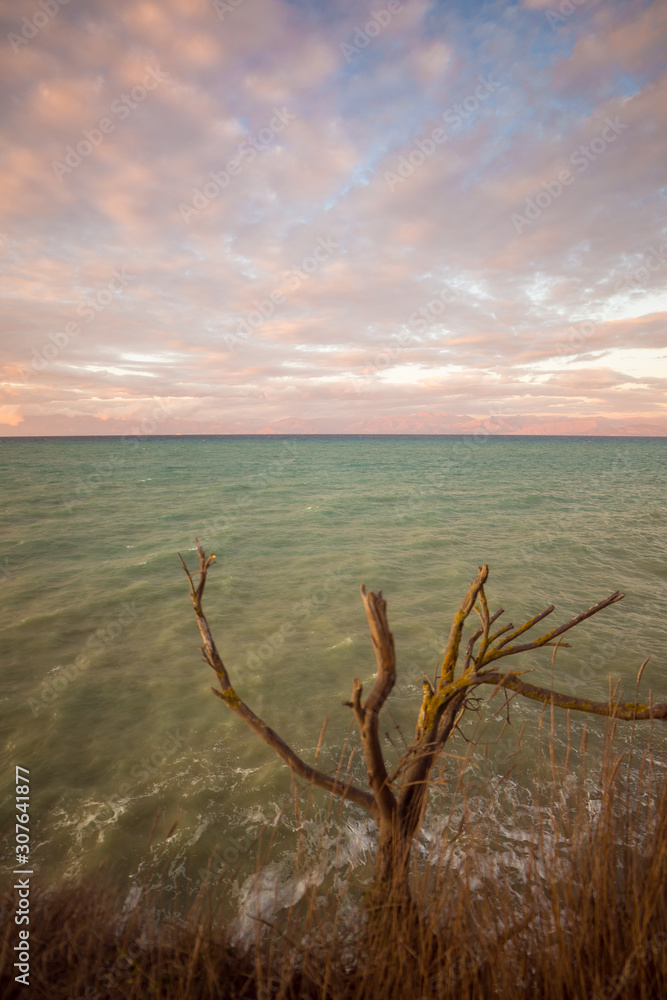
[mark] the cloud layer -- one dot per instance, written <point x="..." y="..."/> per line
<point x="265" y="216"/>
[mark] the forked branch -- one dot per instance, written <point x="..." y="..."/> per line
<point x="456" y="631"/>
<point x="502" y="649"/>
<point x="397" y="803"/>
<point x="441" y="708"/>
<point x="368" y="715"/>
<point x="239" y="707"/>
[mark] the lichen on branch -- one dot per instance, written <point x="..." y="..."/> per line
<point x="397" y="802"/>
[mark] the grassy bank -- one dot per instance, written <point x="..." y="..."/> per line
<point x="579" y="909"/>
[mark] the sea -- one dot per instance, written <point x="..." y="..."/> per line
<point x="135" y="768"/>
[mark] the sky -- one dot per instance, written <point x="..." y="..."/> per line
<point x="280" y="216"/>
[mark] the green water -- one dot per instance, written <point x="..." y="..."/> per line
<point x="106" y="699"/>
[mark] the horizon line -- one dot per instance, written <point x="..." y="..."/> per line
<point x="317" y="434"/>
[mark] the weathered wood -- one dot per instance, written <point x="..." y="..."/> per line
<point x="503" y="650"/>
<point x="397" y="803"/>
<point x="629" y="711"/>
<point x="456" y="631"/>
<point x="210" y="652"/>
<point x="369" y="717"/>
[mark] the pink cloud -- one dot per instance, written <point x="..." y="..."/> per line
<point x="429" y="272"/>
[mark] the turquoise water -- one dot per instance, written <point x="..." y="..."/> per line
<point x="106" y="699"/>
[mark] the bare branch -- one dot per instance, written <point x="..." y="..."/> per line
<point x="427" y="689"/>
<point x="258" y="726"/>
<point x="470" y="648"/>
<point x="617" y="710"/>
<point x="454" y="640"/>
<point x="486" y="625"/>
<point x="209" y="649"/>
<point x="501" y="631"/>
<point x="355" y="704"/>
<point x="527" y="625"/>
<point x="497" y="653"/>
<point x="397" y="806"/>
<point x="412" y="796"/>
<point x="368" y="715"/>
<point x="383" y="643"/>
<point x="473" y="638"/>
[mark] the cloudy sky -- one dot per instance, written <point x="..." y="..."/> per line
<point x="334" y="216"/>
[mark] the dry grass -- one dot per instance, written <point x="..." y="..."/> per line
<point x="573" y="906"/>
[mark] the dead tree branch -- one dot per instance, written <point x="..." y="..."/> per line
<point x="397" y="802"/>
<point x="612" y="709"/>
<point x="369" y="716"/>
<point x="231" y="699"/>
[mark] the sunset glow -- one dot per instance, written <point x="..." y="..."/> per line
<point x="262" y="216"/>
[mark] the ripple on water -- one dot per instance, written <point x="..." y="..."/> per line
<point x="295" y="532"/>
